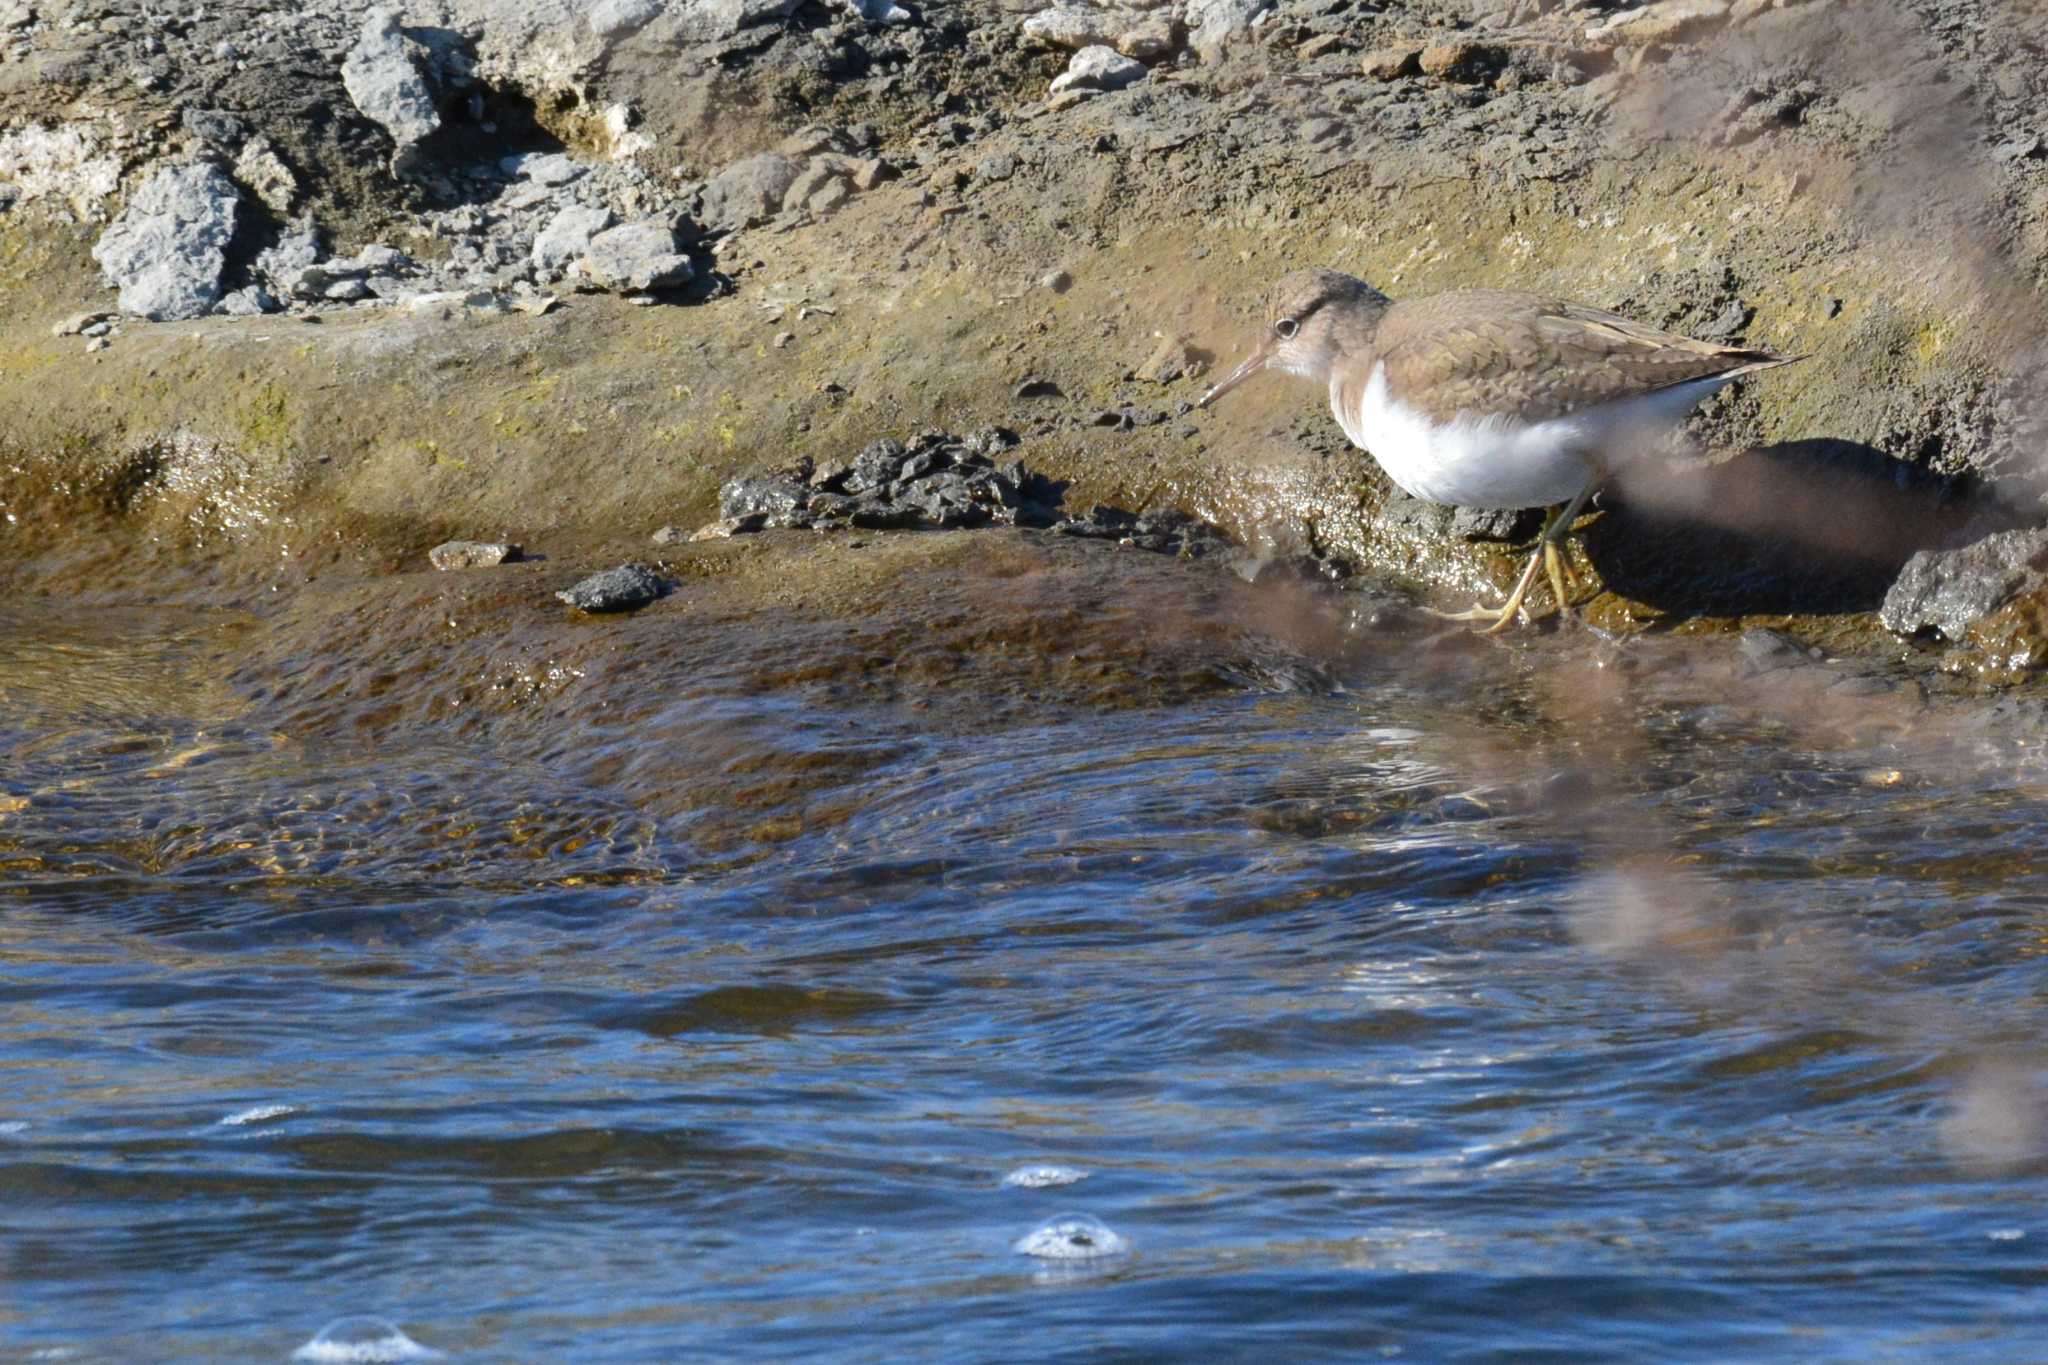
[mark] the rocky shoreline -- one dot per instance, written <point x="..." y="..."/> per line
<point x="294" y="300"/>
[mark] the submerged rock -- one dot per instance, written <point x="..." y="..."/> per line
<point x="166" y="251"/>
<point x="1946" y="591"/>
<point x="621" y="589"/>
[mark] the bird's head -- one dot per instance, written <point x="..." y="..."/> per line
<point x="1311" y="318"/>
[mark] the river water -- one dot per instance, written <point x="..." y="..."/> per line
<point x="1555" y="1001"/>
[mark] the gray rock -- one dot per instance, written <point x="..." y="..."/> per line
<point x="567" y="236"/>
<point x="1214" y="23"/>
<point x="386" y="83"/>
<point x="253" y="301"/>
<point x="1077" y="26"/>
<point x="1098" y="68"/>
<point x="473" y="554"/>
<point x="747" y="192"/>
<point x="616" y="18"/>
<point x="620" y="589"/>
<point x="550" y="169"/>
<point x="1946" y="590"/>
<point x="880" y="11"/>
<point x="670" y="535"/>
<point x="296" y="251"/>
<point x="636" y="257"/>
<point x="166" y="251"/>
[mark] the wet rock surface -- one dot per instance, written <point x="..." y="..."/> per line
<point x="1948" y="591"/>
<point x="943" y="482"/>
<point x="937" y="480"/>
<point x="625" y="588"/>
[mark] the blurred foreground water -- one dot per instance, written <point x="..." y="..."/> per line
<point x="1603" y="1006"/>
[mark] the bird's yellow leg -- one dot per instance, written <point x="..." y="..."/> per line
<point x="1554" y="564"/>
<point x="1546" y="554"/>
<point x="1499" y="616"/>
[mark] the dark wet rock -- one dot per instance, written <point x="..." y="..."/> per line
<point x="1168" y="531"/>
<point x="1762" y="650"/>
<point x="473" y="554"/>
<point x="166" y="251"/>
<point x="776" y="499"/>
<point x="1434" y="520"/>
<point x="621" y="589"/>
<point x="1946" y="591"/>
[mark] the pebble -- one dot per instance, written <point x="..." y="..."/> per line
<point x="473" y="554"/>
<point x="1058" y="281"/>
<point x="670" y="535"/>
<point x="625" y="588"/>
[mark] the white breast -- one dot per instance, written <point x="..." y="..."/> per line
<point x="1498" y="461"/>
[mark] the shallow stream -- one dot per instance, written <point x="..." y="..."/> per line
<point x="1550" y="1001"/>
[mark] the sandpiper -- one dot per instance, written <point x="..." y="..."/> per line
<point x="1489" y="398"/>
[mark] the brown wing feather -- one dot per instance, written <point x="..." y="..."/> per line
<point x="1495" y="351"/>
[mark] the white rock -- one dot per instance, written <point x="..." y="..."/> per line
<point x="386" y="83"/>
<point x="1213" y="23"/>
<point x="1099" y="68"/>
<point x="1078" y="26"/>
<point x="615" y="18"/>
<point x="568" y="235"/>
<point x="636" y="257"/>
<point x="1664" y="22"/>
<point x="880" y="11"/>
<point x="166" y="251"/>
<point x="69" y="160"/>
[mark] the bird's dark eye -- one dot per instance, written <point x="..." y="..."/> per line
<point x="1286" y="327"/>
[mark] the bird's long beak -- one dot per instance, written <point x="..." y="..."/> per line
<point x="1254" y="363"/>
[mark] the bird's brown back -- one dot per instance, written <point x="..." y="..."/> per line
<point x="1490" y="350"/>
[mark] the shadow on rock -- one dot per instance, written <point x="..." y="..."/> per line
<point x="1814" y="527"/>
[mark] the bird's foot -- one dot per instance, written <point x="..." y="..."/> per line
<point x="1479" y="611"/>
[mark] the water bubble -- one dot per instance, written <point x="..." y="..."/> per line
<point x="362" y="1340"/>
<point x="258" y="1114"/>
<point x="12" y="1127"/>
<point x="1072" y="1237"/>
<point x="1043" y="1177"/>
<point x="2005" y="1234"/>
